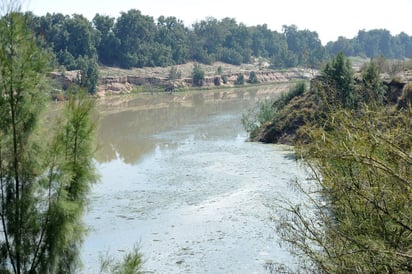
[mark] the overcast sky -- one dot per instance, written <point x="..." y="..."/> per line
<point x="330" y="19"/>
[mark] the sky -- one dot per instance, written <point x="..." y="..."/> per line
<point x="329" y="18"/>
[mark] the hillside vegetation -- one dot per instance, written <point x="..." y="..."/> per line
<point x="380" y="83"/>
<point x="354" y="133"/>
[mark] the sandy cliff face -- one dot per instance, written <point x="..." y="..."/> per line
<point x="124" y="84"/>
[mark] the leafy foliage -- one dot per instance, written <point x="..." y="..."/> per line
<point x="44" y="177"/>
<point x="340" y="76"/>
<point x="68" y="183"/>
<point x="136" y="33"/>
<point x="198" y="75"/>
<point x="335" y="88"/>
<point x="355" y="218"/>
<point x="360" y="221"/>
<point x="107" y="39"/>
<point x="88" y="74"/>
<point x="252" y="78"/>
<point x="240" y="80"/>
<point x="372" y="44"/>
<point x="136" y="40"/>
<point x="130" y="264"/>
<point x="23" y="66"/>
<point x="372" y="91"/>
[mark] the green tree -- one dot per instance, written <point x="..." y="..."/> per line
<point x="211" y="35"/>
<point x="161" y="55"/>
<point x="372" y="90"/>
<point x="109" y="43"/>
<point x="89" y="73"/>
<point x="70" y="37"/>
<point x="136" y="33"/>
<point x="252" y="78"/>
<point x="240" y="80"/>
<point x="73" y="40"/>
<point x="219" y="70"/>
<point x="82" y="37"/>
<point x="372" y="44"/>
<point x="44" y="178"/>
<point x="198" y="75"/>
<point x="340" y="77"/>
<point x="231" y="56"/>
<point x="241" y="41"/>
<point x="343" y="44"/>
<point x="172" y="33"/>
<point x="260" y="34"/>
<point x="305" y="45"/>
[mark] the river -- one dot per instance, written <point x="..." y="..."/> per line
<point x="179" y="180"/>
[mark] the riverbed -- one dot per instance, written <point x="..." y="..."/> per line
<point x="179" y="180"/>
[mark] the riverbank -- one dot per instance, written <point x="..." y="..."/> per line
<point x="115" y="81"/>
<point x="286" y="126"/>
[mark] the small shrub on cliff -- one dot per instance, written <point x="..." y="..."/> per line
<point x="252" y="78"/>
<point x="198" y="76"/>
<point x="216" y="81"/>
<point x="240" y="80"/>
<point x="224" y="79"/>
<point x="219" y="70"/>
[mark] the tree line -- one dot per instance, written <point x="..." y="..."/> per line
<point x="373" y="43"/>
<point x="137" y="40"/>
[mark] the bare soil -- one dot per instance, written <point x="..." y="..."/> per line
<point x="184" y="69"/>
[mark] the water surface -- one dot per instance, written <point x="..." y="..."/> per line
<point x="179" y="180"/>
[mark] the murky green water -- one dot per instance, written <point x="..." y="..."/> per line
<point x="179" y="180"/>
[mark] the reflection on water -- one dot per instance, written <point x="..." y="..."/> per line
<point x="178" y="178"/>
<point x="127" y="132"/>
